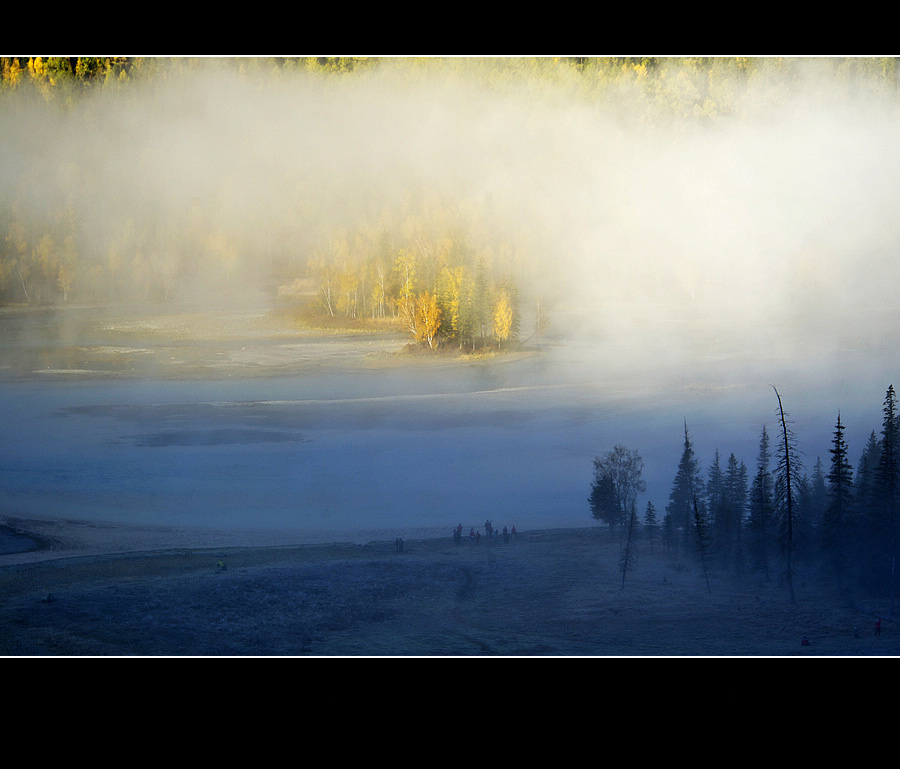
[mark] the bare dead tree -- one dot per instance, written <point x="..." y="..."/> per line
<point x="788" y="474"/>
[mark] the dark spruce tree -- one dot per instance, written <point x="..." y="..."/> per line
<point x="603" y="503"/>
<point x="812" y="508"/>
<point x="687" y="484"/>
<point x="651" y="523"/>
<point x="715" y="503"/>
<point x="865" y="540"/>
<point x="760" y="524"/>
<point x="734" y="510"/>
<point x="836" y="522"/>
<point x="865" y="474"/>
<point x="887" y="483"/>
<point x="481" y="305"/>
<point x="701" y="542"/>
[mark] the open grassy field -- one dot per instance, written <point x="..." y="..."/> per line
<point x="546" y="593"/>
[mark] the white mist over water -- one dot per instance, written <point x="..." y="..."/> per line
<point x="377" y="453"/>
<point x="687" y="270"/>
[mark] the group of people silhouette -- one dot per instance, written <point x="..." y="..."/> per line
<point x="490" y="532"/>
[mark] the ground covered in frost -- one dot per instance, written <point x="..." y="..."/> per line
<point x="546" y="593"/>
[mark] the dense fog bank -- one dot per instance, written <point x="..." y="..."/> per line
<point x="687" y="263"/>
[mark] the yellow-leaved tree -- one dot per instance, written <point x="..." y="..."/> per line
<point x="429" y="317"/>
<point x="503" y="317"/>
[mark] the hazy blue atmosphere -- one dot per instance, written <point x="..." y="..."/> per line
<point x="687" y="271"/>
<point x="408" y="450"/>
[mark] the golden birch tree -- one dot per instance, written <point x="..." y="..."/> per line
<point x="503" y="317"/>
<point x="429" y="318"/>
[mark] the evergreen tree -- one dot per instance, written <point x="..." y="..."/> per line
<point x="716" y="504"/>
<point x="801" y="528"/>
<point x="468" y="324"/>
<point x="745" y="496"/>
<point x="651" y="523"/>
<point x="865" y="536"/>
<point x="603" y="503"/>
<point x="702" y="542"/>
<point x="715" y="497"/>
<point x="817" y="501"/>
<point x="836" y="520"/>
<point x="810" y="507"/>
<point x="734" y="509"/>
<point x="687" y="484"/>
<point x="481" y="302"/>
<point x="760" y="523"/>
<point x="888" y="483"/>
<point x="865" y="476"/>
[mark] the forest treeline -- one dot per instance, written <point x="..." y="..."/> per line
<point x="440" y="266"/>
<point x="699" y="85"/>
<point x="775" y="517"/>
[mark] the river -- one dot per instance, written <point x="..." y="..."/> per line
<point x="412" y="449"/>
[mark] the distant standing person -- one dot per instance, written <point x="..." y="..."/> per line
<point x="505" y="535"/>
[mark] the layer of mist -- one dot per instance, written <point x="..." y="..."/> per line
<point x="775" y="231"/>
<point x="689" y="267"/>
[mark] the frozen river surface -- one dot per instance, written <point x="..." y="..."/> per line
<point x="409" y="450"/>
